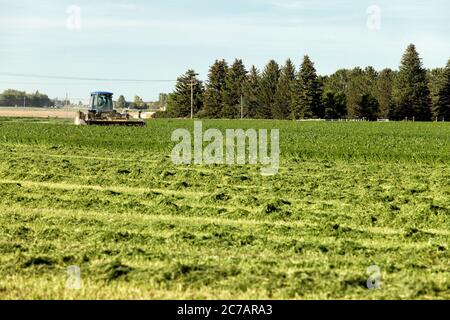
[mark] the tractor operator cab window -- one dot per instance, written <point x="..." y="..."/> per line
<point x="101" y="102"/>
<point x="104" y="103"/>
<point x="92" y="103"/>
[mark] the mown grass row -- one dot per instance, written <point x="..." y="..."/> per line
<point x="170" y="257"/>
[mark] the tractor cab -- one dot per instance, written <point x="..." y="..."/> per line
<point x="102" y="113"/>
<point x="101" y="102"/>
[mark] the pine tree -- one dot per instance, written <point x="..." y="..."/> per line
<point x="308" y="102"/>
<point x="436" y="81"/>
<point x="214" y="89"/>
<point x="284" y="97"/>
<point x="251" y="93"/>
<point x="233" y="90"/>
<point x="268" y="89"/>
<point x="384" y="93"/>
<point x="412" y="95"/>
<point x="442" y="107"/>
<point x="180" y="106"/>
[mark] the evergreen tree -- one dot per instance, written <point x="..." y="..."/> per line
<point x="233" y="90"/>
<point x="384" y="93"/>
<point x="308" y="103"/>
<point x="359" y="93"/>
<point x="121" y="103"/>
<point x="335" y="105"/>
<point x="411" y="92"/>
<point x="214" y="89"/>
<point x="251" y="93"/>
<point x="180" y="106"/>
<point x="436" y="80"/>
<point x="268" y="89"/>
<point x="442" y="107"/>
<point x="284" y="97"/>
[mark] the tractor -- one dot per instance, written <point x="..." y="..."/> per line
<point x="101" y="112"/>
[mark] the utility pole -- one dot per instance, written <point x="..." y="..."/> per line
<point x="24" y="101"/>
<point x="242" y="107"/>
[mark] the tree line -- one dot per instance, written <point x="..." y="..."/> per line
<point x="139" y="104"/>
<point x="16" y="98"/>
<point x="12" y="98"/>
<point x="282" y="92"/>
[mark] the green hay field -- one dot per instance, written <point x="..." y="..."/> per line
<point x="110" y="200"/>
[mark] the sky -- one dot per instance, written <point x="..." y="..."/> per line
<point x="160" y="40"/>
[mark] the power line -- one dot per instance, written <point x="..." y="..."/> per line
<point x="41" y="76"/>
<point x="71" y="84"/>
<point x="68" y="83"/>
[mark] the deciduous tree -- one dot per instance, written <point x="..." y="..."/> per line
<point x="442" y="107"/>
